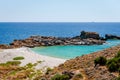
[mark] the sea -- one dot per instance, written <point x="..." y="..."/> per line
<point x="10" y="31"/>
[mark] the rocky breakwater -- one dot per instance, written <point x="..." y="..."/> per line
<point x="85" y="38"/>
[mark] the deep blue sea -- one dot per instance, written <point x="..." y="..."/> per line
<point x="11" y="31"/>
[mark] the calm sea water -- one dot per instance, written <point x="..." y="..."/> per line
<point x="11" y="31"/>
<point x="68" y="52"/>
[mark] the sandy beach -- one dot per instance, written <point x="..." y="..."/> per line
<point x="30" y="57"/>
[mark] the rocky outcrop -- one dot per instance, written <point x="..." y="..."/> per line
<point x="85" y="35"/>
<point x="110" y="36"/>
<point x="3" y="46"/>
<point x="86" y="38"/>
<point x="35" y="41"/>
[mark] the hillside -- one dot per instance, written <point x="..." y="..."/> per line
<point x="85" y="67"/>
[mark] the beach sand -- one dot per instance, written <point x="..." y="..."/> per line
<point x="30" y="57"/>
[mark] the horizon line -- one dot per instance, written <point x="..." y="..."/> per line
<point x="58" y="22"/>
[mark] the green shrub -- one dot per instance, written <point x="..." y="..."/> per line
<point x="113" y="64"/>
<point x="13" y="62"/>
<point x="79" y="75"/>
<point x="39" y="61"/>
<point x="18" y="58"/>
<point x="60" y="77"/>
<point x="48" y="70"/>
<point x="113" y="67"/>
<point x="118" y="78"/>
<point x="118" y="54"/>
<point x="100" y="60"/>
<point x="115" y="60"/>
<point x="29" y="65"/>
<point x="4" y="64"/>
<point x="9" y="63"/>
<point x="119" y="70"/>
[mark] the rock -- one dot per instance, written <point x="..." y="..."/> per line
<point x="110" y="36"/>
<point x="85" y="35"/>
<point x="88" y="38"/>
<point x="80" y="43"/>
<point x="2" y="46"/>
<point x="76" y="37"/>
<point x="30" y="46"/>
<point x="70" y="74"/>
<point x="58" y="42"/>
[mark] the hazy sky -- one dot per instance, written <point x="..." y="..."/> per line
<point x="59" y="10"/>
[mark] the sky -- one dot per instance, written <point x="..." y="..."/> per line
<point x="59" y="10"/>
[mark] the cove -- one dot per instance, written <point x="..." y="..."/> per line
<point x="72" y="51"/>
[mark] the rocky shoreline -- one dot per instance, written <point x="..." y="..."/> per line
<point x="85" y="38"/>
<point x="80" y="66"/>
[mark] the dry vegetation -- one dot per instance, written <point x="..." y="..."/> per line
<point x="12" y="71"/>
<point x="80" y="68"/>
<point x="85" y="67"/>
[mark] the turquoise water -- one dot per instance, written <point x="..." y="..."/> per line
<point x="18" y="30"/>
<point x="72" y="51"/>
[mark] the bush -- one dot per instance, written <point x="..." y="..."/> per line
<point x="118" y="78"/>
<point x="119" y="70"/>
<point x="60" y="77"/>
<point x="113" y="64"/>
<point x="18" y="58"/>
<point x="9" y="63"/>
<point x="118" y="54"/>
<point x="48" y="70"/>
<point x="13" y="63"/>
<point x="115" y="60"/>
<point x="29" y="65"/>
<point x="113" y="67"/>
<point x="100" y="60"/>
<point x="79" y="75"/>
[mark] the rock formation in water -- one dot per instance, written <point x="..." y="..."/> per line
<point x="86" y="35"/>
<point x="110" y="36"/>
<point x="85" y="38"/>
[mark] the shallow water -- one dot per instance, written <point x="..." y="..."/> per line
<point x="72" y="51"/>
<point x="11" y="31"/>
